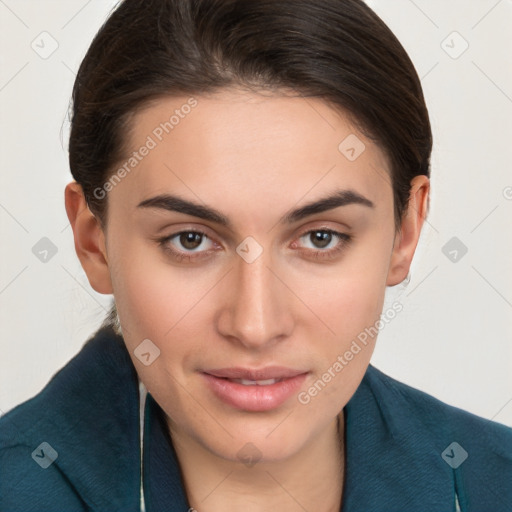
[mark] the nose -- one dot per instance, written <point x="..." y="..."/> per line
<point x="258" y="310"/>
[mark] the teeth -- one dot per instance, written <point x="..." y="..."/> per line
<point x="247" y="382"/>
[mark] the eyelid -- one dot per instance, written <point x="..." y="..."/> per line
<point x="344" y="231"/>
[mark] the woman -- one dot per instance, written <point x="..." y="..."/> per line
<point x="250" y="177"/>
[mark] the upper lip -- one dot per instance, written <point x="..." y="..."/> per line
<point x="270" y="372"/>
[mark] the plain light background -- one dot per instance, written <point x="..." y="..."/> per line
<point x="453" y="337"/>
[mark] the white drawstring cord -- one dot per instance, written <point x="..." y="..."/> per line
<point x="457" y="504"/>
<point x="142" y="411"/>
<point x="142" y="408"/>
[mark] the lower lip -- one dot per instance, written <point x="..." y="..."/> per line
<point x="254" y="398"/>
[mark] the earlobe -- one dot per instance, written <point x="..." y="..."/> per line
<point x="89" y="239"/>
<point x="406" y="240"/>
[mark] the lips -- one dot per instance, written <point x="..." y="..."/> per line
<point x="270" y="372"/>
<point x="247" y="382"/>
<point x="254" y="390"/>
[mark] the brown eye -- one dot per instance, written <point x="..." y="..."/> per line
<point x="324" y="243"/>
<point x="321" y="239"/>
<point x="190" y="239"/>
<point x="187" y="245"/>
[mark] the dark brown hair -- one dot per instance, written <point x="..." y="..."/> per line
<point x="337" y="50"/>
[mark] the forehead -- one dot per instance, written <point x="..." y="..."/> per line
<point x="256" y="147"/>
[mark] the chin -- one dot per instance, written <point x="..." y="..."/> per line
<point x="272" y="441"/>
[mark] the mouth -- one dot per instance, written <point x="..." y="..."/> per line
<point x="254" y="390"/>
<point x="247" y="382"/>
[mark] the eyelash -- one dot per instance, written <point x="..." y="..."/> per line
<point x="319" y="254"/>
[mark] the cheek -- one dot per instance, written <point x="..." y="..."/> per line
<point x="355" y="302"/>
<point x="349" y="297"/>
<point x="150" y="294"/>
<point x="349" y="301"/>
<point x="351" y="309"/>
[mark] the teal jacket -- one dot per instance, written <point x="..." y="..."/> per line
<point x="77" y="444"/>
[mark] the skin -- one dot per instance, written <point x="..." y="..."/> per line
<point x="252" y="157"/>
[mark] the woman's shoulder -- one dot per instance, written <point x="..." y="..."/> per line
<point x="412" y="405"/>
<point x="73" y="441"/>
<point x="85" y="384"/>
<point x="427" y="449"/>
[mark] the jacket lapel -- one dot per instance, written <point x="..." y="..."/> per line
<point x="393" y="461"/>
<point x="163" y="485"/>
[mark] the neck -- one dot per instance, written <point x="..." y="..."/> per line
<point x="311" y="479"/>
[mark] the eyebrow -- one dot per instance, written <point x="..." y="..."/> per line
<point x="334" y="200"/>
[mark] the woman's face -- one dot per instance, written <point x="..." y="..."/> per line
<point x="257" y="280"/>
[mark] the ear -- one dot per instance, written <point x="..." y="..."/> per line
<point x="407" y="238"/>
<point x="89" y="239"/>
